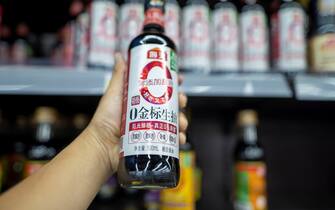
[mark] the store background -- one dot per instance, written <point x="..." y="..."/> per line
<point x="297" y="132"/>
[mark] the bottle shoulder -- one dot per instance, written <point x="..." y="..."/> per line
<point x="152" y="38"/>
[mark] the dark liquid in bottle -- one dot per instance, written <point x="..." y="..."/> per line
<point x="149" y="171"/>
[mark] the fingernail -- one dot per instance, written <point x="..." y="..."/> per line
<point x="118" y="57"/>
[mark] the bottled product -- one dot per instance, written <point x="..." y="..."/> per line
<point x="172" y="21"/>
<point x="289" y="39"/>
<point x="150" y="147"/>
<point x="103" y="37"/>
<point x="322" y="43"/>
<point x="68" y="44"/>
<point x="225" y="37"/>
<point x="322" y="14"/>
<point x="254" y="37"/>
<point x="195" y="49"/>
<point x="81" y="40"/>
<point x="183" y="197"/>
<point x="5" y="34"/>
<point x="21" y="49"/>
<point x="131" y="23"/>
<point x="249" y="166"/>
<point x="43" y="148"/>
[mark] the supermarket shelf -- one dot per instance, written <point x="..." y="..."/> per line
<point x="238" y="85"/>
<point x="315" y="87"/>
<point x="39" y="80"/>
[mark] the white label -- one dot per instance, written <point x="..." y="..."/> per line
<point x="130" y="25"/>
<point x="255" y="46"/>
<point x="150" y="123"/>
<point x="196" y="39"/>
<point x="172" y="27"/>
<point x="292" y="43"/>
<point x="103" y="33"/>
<point x="225" y="41"/>
<point x="82" y="35"/>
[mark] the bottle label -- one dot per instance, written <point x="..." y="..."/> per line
<point x="250" y="186"/>
<point x="150" y="109"/>
<point x="172" y="27"/>
<point x="225" y="42"/>
<point x="131" y="24"/>
<point x="255" y="44"/>
<point x="32" y="166"/>
<point x="323" y="52"/>
<point x="196" y="39"/>
<point x="82" y="40"/>
<point x="183" y="196"/>
<point x="292" y="53"/>
<point x="103" y="34"/>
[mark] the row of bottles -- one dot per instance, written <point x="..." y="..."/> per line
<point x="231" y="37"/>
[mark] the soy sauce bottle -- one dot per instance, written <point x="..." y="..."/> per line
<point x="149" y="130"/>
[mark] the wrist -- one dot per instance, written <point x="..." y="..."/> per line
<point x="106" y="143"/>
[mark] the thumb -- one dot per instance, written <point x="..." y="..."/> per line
<point x="115" y="87"/>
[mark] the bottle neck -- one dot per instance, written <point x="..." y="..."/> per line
<point x="249" y="134"/>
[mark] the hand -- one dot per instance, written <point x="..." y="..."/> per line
<point x="106" y="123"/>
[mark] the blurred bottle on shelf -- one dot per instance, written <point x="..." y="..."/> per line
<point x="68" y="44"/>
<point x="103" y="36"/>
<point x="151" y="200"/>
<point x="81" y="40"/>
<point x="21" y="48"/>
<point x="130" y="23"/>
<point x="182" y="197"/>
<point x="196" y="40"/>
<point x="254" y="37"/>
<point x="225" y="37"/>
<point x="42" y="148"/>
<point x="249" y="166"/>
<point x="289" y="36"/>
<point x="172" y="21"/>
<point x="322" y="42"/>
<point x="15" y="156"/>
<point x="5" y="34"/>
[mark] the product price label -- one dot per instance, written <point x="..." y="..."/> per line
<point x="292" y="53"/>
<point x="130" y="25"/>
<point x="172" y="27"/>
<point x="196" y="39"/>
<point x="103" y="33"/>
<point x="250" y="186"/>
<point x="255" y="44"/>
<point x="225" y="41"/>
<point x="150" y="116"/>
<point x="31" y="167"/>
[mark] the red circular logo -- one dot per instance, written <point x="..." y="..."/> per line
<point x="156" y="83"/>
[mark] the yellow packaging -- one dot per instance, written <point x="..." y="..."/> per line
<point x="183" y="196"/>
<point x="322" y="49"/>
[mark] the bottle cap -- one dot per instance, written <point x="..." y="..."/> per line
<point x="45" y="115"/>
<point x="247" y="117"/>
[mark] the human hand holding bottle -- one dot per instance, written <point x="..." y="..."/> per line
<point x="71" y="180"/>
<point x="106" y="123"/>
